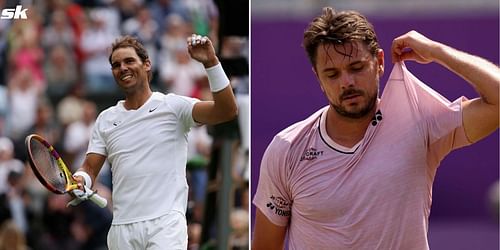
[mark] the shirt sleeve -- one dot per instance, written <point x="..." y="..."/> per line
<point x="272" y="196"/>
<point x="442" y="119"/>
<point x="96" y="143"/>
<point x="183" y="108"/>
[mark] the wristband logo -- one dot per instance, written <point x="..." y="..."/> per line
<point x="17" y="13"/>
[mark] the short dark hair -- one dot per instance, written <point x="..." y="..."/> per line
<point x="132" y="42"/>
<point x="338" y="28"/>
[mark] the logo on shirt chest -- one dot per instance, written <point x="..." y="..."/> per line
<point x="154" y="108"/>
<point x="311" y="154"/>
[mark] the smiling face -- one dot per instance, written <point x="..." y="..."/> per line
<point x="129" y="71"/>
<point x="349" y="76"/>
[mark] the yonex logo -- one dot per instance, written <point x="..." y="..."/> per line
<point x="277" y="210"/>
<point x="270" y="205"/>
<point x="311" y="154"/>
<point x="279" y="202"/>
<point x="279" y="205"/>
<point x="17" y="13"/>
<point x="377" y="118"/>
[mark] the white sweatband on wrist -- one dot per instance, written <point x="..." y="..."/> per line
<point x="217" y="78"/>
<point x="86" y="177"/>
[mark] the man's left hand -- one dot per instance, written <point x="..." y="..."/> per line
<point x="413" y="46"/>
<point x="201" y="49"/>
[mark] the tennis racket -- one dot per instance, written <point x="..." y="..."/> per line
<point x="51" y="171"/>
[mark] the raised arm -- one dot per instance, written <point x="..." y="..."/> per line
<point x="266" y="234"/>
<point x="480" y="115"/>
<point x="223" y="107"/>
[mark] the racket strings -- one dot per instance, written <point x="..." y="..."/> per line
<point x="46" y="165"/>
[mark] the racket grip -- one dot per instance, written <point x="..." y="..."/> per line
<point x="98" y="200"/>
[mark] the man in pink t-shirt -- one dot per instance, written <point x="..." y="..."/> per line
<point x="358" y="173"/>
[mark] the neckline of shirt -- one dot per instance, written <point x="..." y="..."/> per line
<point x="330" y="142"/>
<point x="122" y="102"/>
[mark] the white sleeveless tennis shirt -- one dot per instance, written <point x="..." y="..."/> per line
<point x="376" y="195"/>
<point x="147" y="150"/>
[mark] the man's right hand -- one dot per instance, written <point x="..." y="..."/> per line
<point x="80" y="193"/>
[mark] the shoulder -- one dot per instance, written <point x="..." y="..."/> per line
<point x="302" y="128"/>
<point x="109" y="111"/>
<point x="297" y="133"/>
<point x="109" y="115"/>
<point x="172" y="98"/>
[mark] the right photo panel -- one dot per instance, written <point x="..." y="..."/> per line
<point x="374" y="125"/>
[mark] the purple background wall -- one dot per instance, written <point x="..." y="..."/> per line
<point x="284" y="91"/>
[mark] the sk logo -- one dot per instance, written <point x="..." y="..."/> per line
<point x="17" y="13"/>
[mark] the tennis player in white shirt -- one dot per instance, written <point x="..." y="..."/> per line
<point x="144" y="138"/>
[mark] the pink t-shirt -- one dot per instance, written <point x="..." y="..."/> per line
<point x="376" y="195"/>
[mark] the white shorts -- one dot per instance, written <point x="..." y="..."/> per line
<point x="165" y="232"/>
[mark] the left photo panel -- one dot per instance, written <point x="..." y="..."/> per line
<point x="124" y="124"/>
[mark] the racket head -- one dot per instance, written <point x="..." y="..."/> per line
<point x="48" y="165"/>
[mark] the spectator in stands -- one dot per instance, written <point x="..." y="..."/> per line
<point x="23" y="92"/>
<point x="45" y="124"/>
<point x="57" y="219"/>
<point x="7" y="162"/>
<point x="194" y="236"/>
<point x="58" y="32"/>
<point x="60" y="70"/>
<point x="204" y="16"/>
<point x="15" y="198"/>
<point x="94" y="43"/>
<point x="11" y="186"/>
<point x="70" y="108"/>
<point x="180" y="76"/>
<point x="199" y="146"/>
<point x="90" y="226"/>
<point x="78" y="133"/>
<point x="127" y="8"/>
<point x="77" y="21"/>
<point x="3" y="108"/>
<point x="239" y="238"/>
<point x="160" y="9"/>
<point x="11" y="238"/>
<point x="26" y="52"/>
<point x="4" y="31"/>
<point x="174" y="33"/>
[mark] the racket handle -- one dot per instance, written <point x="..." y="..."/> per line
<point x="87" y="195"/>
<point x="98" y="200"/>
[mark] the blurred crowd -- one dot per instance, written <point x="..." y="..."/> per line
<point x="54" y="80"/>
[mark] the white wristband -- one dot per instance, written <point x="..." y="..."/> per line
<point x="217" y="79"/>
<point x="86" y="177"/>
